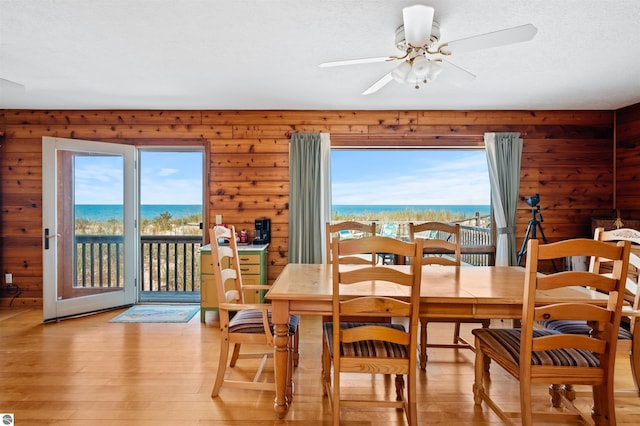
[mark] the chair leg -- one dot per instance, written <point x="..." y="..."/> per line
<point x="603" y="411"/>
<point x="296" y="347"/>
<point x="326" y="367"/>
<point x="236" y="354"/>
<point x="412" y="399"/>
<point x="399" y="387"/>
<point x="634" y="357"/>
<point x="569" y="392"/>
<point x="335" y="399"/>
<point x="526" y="410"/>
<point x="487" y="361"/>
<point x="222" y="365"/>
<point x="456" y="332"/>
<point x="423" y="343"/>
<point x="478" y="383"/>
<point x="555" y="391"/>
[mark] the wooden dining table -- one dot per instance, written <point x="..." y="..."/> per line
<point x="486" y="292"/>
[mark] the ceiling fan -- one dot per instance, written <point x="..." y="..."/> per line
<point x="422" y="60"/>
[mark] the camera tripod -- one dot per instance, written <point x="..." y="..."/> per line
<point x="534" y="224"/>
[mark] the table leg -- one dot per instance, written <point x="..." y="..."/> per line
<point x="280" y="318"/>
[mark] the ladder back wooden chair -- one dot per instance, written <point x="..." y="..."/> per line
<point x="373" y="348"/>
<point x="348" y="230"/>
<point x="536" y="355"/>
<point x="441" y="246"/>
<point x="629" y="332"/>
<point x="242" y="323"/>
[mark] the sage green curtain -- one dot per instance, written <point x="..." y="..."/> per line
<point x="504" y="154"/>
<point x="309" y="196"/>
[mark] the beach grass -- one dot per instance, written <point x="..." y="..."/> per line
<point x="410" y="215"/>
<point x="162" y="224"/>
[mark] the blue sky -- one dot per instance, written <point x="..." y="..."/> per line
<point x="166" y="178"/>
<point x="410" y="177"/>
<point x="171" y="178"/>
<point x="358" y="177"/>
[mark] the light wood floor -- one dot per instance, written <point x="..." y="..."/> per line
<point x="88" y="371"/>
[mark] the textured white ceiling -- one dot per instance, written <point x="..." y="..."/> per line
<point x="234" y="54"/>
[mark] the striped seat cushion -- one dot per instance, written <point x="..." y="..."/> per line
<point x="366" y="348"/>
<point x="580" y="327"/>
<point x="507" y="343"/>
<point x="250" y="321"/>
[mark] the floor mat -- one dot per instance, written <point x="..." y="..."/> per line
<point x="158" y="313"/>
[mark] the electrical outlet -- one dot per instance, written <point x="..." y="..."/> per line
<point x="218" y="219"/>
<point x="8" y="278"/>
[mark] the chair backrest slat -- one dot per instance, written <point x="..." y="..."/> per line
<point x="349" y="229"/>
<point x="441" y="244"/>
<point x="227" y="269"/>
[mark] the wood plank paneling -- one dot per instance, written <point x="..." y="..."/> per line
<point x="98" y="116"/>
<point x="305" y="118"/>
<point x="628" y="162"/>
<point x="568" y="158"/>
<point x="250" y="188"/>
<point x="120" y="131"/>
<point x="251" y="160"/>
<point x="591" y="118"/>
<point x="259" y="146"/>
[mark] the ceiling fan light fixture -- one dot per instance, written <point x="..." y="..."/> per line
<point x="401" y="72"/>
<point x="421" y="66"/>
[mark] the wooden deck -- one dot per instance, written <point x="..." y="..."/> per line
<point x="87" y="371"/>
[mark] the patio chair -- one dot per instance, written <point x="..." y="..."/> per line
<point x="441" y="247"/>
<point x="242" y="323"/>
<point x="373" y="348"/>
<point x="629" y="331"/>
<point x="389" y="230"/>
<point x="535" y="355"/>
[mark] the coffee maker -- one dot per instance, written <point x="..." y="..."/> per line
<point x="263" y="231"/>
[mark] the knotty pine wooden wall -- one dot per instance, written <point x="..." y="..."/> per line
<point x="628" y="159"/>
<point x="567" y="159"/>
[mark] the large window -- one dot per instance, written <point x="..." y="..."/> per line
<point x="398" y="186"/>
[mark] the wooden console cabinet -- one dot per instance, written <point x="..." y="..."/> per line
<point x="253" y="268"/>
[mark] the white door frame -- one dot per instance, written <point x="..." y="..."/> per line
<point x="54" y="307"/>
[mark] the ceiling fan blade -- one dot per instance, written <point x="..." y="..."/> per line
<point x="455" y="75"/>
<point x="493" y="39"/>
<point x="417" y="24"/>
<point x="378" y="84"/>
<point x="355" y="62"/>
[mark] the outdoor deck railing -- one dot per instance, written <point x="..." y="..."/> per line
<point x="476" y="242"/>
<point x="99" y="261"/>
<point x="169" y="262"/>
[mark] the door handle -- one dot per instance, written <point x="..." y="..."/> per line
<point x="47" y="236"/>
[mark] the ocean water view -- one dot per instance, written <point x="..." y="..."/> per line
<point x="370" y="210"/>
<point x="104" y="212"/>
